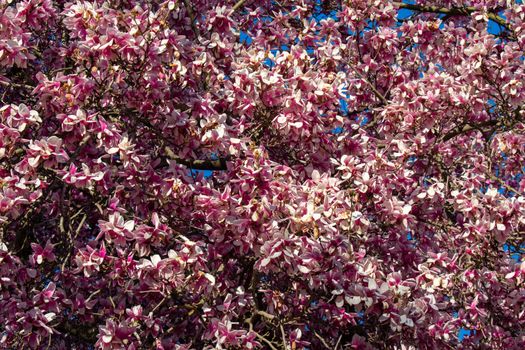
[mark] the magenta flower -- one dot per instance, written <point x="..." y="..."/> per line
<point x="42" y="254"/>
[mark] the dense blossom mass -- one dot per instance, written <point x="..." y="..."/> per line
<point x="262" y="174"/>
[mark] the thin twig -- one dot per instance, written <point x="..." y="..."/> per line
<point x="338" y="342"/>
<point x="160" y="303"/>
<point x="258" y="336"/>
<point x="93" y="294"/>
<point x="238" y="5"/>
<point x="77" y="231"/>
<point x="322" y="340"/>
<point x="372" y="87"/>
<point x="504" y="184"/>
<point x="269" y="343"/>
<point x="284" y="336"/>
<point x="265" y="314"/>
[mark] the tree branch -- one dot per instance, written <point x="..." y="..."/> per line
<point x="283" y="334"/>
<point x="259" y="336"/>
<point x="322" y="340"/>
<point x="468" y="127"/>
<point x="505" y="185"/>
<point x="238" y="5"/>
<point x="338" y="342"/>
<point x="16" y="85"/>
<point x="453" y="11"/>
<point x="197" y="164"/>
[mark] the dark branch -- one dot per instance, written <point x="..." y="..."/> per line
<point x="453" y="11"/>
<point x="468" y="127"/>
<point x="197" y="164"/>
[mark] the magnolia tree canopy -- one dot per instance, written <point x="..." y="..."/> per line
<point x="262" y="174"/>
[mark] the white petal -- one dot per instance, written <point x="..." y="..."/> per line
<point x="210" y="278"/>
<point x="129" y="225"/>
<point x="50" y="316"/>
<point x="303" y="269"/>
<point x="265" y="262"/>
<point x="155" y="259"/>
<point x="107" y="338"/>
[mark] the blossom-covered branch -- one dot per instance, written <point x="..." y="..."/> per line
<point x="365" y="185"/>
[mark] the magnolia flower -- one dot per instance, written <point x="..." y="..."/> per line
<point x="41" y="254"/>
